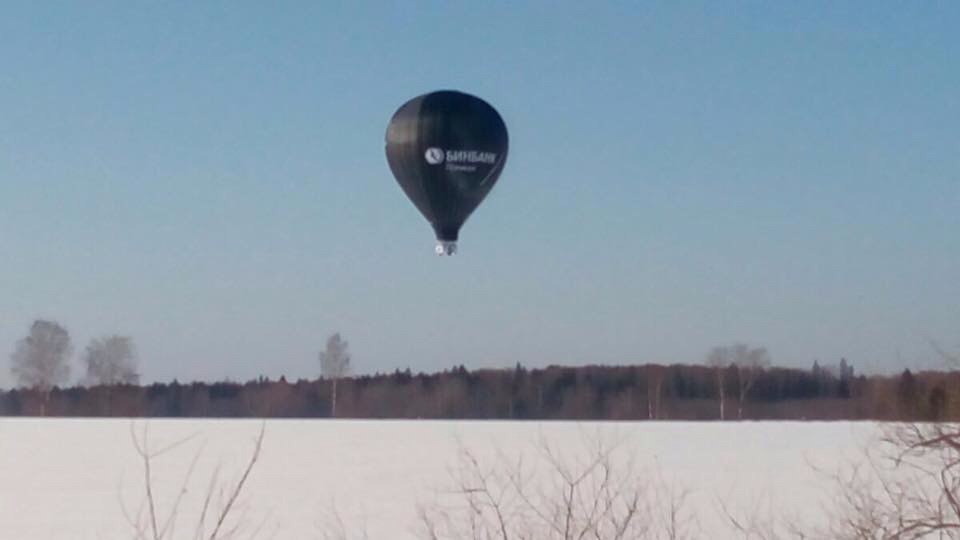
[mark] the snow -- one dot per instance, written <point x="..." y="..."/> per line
<point x="71" y="478"/>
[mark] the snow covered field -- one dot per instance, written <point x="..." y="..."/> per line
<point x="72" y="478"/>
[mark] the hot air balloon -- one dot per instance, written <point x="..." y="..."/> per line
<point x="446" y="150"/>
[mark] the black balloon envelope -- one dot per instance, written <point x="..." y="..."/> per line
<point x="446" y="150"/>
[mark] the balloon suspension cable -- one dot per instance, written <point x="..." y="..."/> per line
<point x="446" y="247"/>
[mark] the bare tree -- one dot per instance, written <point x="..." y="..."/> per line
<point x="40" y="360"/>
<point x="750" y="362"/>
<point x="906" y="487"/>
<point x="111" y="360"/>
<point x="333" y="526"/>
<point x="216" y="519"/>
<point x="655" y="376"/>
<point x="761" y="520"/>
<point x="334" y="365"/>
<point x="719" y="359"/>
<point x="589" y="495"/>
<point x="951" y="359"/>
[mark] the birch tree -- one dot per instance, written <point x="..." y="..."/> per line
<point x="749" y="362"/>
<point x="719" y="359"/>
<point x="334" y="365"/>
<point x="655" y="376"/>
<point x="41" y="360"/>
<point x="111" y="360"/>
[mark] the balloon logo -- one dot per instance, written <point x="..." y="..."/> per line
<point x="434" y="156"/>
<point x="446" y="149"/>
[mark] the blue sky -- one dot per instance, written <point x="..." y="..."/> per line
<point x="209" y="178"/>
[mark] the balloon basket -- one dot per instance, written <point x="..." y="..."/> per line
<point x="445" y="247"/>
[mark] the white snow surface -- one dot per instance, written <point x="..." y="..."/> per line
<point x="71" y="478"/>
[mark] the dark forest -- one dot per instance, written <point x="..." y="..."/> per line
<point x="636" y="392"/>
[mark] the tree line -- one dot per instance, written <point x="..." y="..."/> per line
<point x="736" y="377"/>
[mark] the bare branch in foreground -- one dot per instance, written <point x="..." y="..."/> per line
<point x="151" y="524"/>
<point x="907" y="488"/>
<point x="595" y="493"/>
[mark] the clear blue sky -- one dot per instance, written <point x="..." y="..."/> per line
<point x="209" y="178"/>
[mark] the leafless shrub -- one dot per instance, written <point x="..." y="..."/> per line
<point x="904" y="485"/>
<point x="217" y="519"/>
<point x="907" y="487"/>
<point x="591" y="494"/>
<point x="762" y="521"/>
<point x="334" y="527"/>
